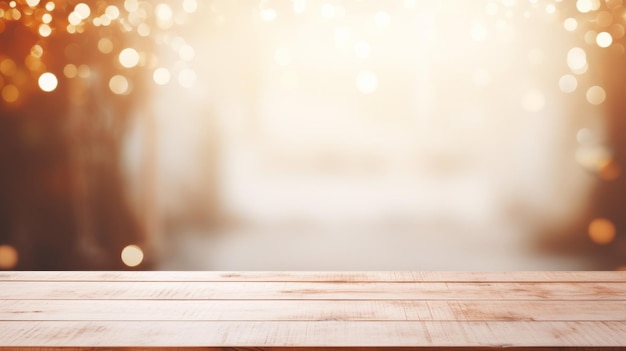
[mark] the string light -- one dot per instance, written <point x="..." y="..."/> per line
<point x="599" y="23"/>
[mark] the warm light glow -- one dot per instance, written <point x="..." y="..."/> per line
<point x="299" y="6"/>
<point x="610" y="170"/>
<point x="480" y="78"/>
<point x="70" y="70"/>
<point x="362" y="49"/>
<point x="10" y="93"/>
<point x="50" y="6"/>
<point x="164" y="15"/>
<point x="46" y="18"/>
<point x="84" y="71"/>
<point x="283" y="56"/>
<point x="8" y="257"/>
<point x="382" y="19"/>
<point x="366" y="82"/>
<point x="45" y="30"/>
<point x="187" y="78"/>
<point x="129" y="57"/>
<point x="48" y="82"/>
<point x="570" y="24"/>
<point x="8" y="67"/>
<point x="533" y="101"/>
<point x="118" y="85"/>
<point x="74" y="19"/>
<point x="604" y="39"/>
<point x="82" y="10"/>
<point x="32" y="3"/>
<point x="36" y="50"/>
<point x="568" y="83"/>
<point x="602" y="231"/>
<point x="576" y="59"/>
<point x="132" y="255"/>
<point x="328" y="11"/>
<point x="268" y="14"/>
<point x="105" y="45"/>
<point x="112" y="12"/>
<point x="596" y="95"/>
<point x="186" y="53"/>
<point x="161" y="76"/>
<point x="190" y="6"/>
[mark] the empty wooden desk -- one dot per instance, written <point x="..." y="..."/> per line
<point x="312" y="310"/>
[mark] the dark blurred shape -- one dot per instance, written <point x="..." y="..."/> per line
<point x="63" y="199"/>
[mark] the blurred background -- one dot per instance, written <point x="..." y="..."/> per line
<point x="312" y="135"/>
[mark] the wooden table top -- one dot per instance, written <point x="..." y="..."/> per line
<point x="312" y="310"/>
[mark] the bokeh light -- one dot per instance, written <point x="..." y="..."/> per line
<point x="433" y="99"/>
<point x="604" y="39"/>
<point x="596" y="95"/>
<point x="119" y="85"/>
<point x="602" y="231"/>
<point x="10" y="93"/>
<point x="366" y="82"/>
<point x="8" y="257"/>
<point x="568" y="83"/>
<point x="132" y="255"/>
<point x="161" y="76"/>
<point x="129" y="57"/>
<point x="48" y="82"/>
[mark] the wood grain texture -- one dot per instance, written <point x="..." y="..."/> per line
<point x="292" y="276"/>
<point x="308" y="311"/>
<point x="308" y="290"/>
<point x="314" y="334"/>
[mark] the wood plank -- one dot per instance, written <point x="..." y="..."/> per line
<point x="70" y="290"/>
<point x="263" y="276"/>
<point x="311" y="334"/>
<point x="310" y="310"/>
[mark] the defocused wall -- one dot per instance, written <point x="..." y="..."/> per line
<point x="335" y="134"/>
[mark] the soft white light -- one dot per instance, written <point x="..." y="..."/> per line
<point x="576" y="59"/>
<point x="478" y="32"/>
<point x="282" y="56"/>
<point x="268" y="14"/>
<point x="570" y="24"/>
<point x="190" y="6"/>
<point x="366" y="82"/>
<point x="362" y="49"/>
<point x="604" y="39"/>
<point x="161" y="76"/>
<point x="533" y="101"/>
<point x="584" y="6"/>
<point x="328" y="11"/>
<point x="596" y="95"/>
<point x="118" y="84"/>
<point x="187" y="78"/>
<point x="48" y="82"/>
<point x="112" y="12"/>
<point x="186" y="53"/>
<point x="342" y="35"/>
<point x="163" y="12"/>
<point x="132" y="255"/>
<point x="82" y="10"/>
<point x="299" y="6"/>
<point x="568" y="83"/>
<point x="129" y="57"/>
<point x="382" y="19"/>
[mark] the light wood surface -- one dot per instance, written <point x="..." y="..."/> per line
<point x="312" y="310"/>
